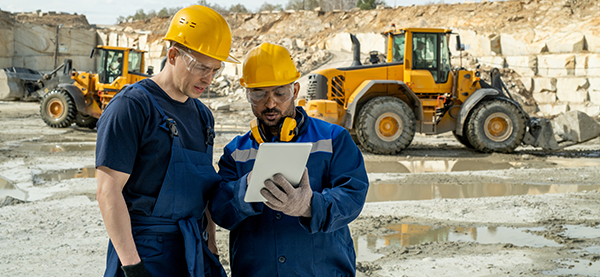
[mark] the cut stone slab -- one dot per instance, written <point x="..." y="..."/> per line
<point x="588" y="108"/>
<point x="594" y="90"/>
<point x="544" y="84"/>
<point x="566" y="43"/>
<point x="526" y="66"/>
<point x="492" y="61"/>
<point x="575" y="126"/>
<point x="545" y="97"/>
<point x="559" y="65"/>
<point x="553" y="109"/>
<point x="573" y="90"/>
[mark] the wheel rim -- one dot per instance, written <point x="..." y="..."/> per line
<point x="389" y="126"/>
<point x="498" y="127"/>
<point x="55" y="108"/>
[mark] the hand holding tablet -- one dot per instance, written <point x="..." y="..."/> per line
<point x="289" y="159"/>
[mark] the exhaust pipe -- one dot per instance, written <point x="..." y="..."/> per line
<point x="355" y="50"/>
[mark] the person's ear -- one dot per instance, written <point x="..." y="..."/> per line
<point x="296" y="90"/>
<point x="172" y="55"/>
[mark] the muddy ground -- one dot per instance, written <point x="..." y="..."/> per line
<point x="436" y="209"/>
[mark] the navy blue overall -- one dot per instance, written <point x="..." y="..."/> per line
<point x="172" y="241"/>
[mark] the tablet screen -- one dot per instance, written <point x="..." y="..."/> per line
<point x="289" y="159"/>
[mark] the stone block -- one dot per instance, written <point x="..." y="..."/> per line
<point x="477" y="45"/>
<point x="573" y="90"/>
<point x="544" y="84"/>
<point x="527" y="83"/>
<point x="545" y="97"/>
<point x="557" y="65"/>
<point x="526" y="66"/>
<point x="5" y="62"/>
<point x="516" y="45"/>
<point x="553" y="109"/>
<point x="7" y="43"/>
<point x="38" y="39"/>
<point x="588" y="108"/>
<point x="492" y="61"/>
<point x="593" y="42"/>
<point x="566" y="43"/>
<point x="575" y="126"/>
<point x="594" y="90"/>
<point x="587" y="65"/>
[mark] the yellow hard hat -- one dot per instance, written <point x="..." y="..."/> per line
<point x="203" y="30"/>
<point x="268" y="65"/>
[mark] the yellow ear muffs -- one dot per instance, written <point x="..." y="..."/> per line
<point x="287" y="130"/>
<point x="257" y="132"/>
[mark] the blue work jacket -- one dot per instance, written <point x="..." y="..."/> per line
<point x="264" y="242"/>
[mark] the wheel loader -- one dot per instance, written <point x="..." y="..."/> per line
<point x="83" y="97"/>
<point x="416" y="89"/>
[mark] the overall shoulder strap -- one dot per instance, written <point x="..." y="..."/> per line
<point x="168" y="124"/>
<point x="208" y="121"/>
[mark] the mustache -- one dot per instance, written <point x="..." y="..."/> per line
<point x="274" y="110"/>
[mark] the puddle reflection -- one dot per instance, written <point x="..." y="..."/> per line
<point x="414" y="234"/>
<point x="581" y="267"/>
<point x="468" y="164"/>
<point x="404" y="192"/>
<point x="58" y="148"/>
<point x="8" y="189"/>
<point x="86" y="172"/>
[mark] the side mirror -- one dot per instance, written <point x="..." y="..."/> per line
<point x="459" y="46"/>
<point x="92" y="54"/>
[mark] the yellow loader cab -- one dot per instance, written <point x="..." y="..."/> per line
<point x="416" y="89"/>
<point x="83" y="100"/>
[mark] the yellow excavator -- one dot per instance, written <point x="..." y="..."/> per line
<point x="85" y="95"/>
<point x="416" y="89"/>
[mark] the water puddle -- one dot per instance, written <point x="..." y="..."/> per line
<point x="578" y="231"/>
<point x="469" y="164"/>
<point x="414" y="234"/>
<point x="58" y="148"/>
<point x="405" y="192"/>
<point x="570" y="267"/>
<point x="8" y="189"/>
<point x="86" y="172"/>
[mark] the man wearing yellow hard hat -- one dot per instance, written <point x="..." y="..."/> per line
<point x="299" y="231"/>
<point x="154" y="157"/>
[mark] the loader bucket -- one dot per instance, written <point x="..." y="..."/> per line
<point x="18" y="83"/>
<point x="540" y="134"/>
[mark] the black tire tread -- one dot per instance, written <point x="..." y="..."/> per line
<point x="365" y="133"/>
<point x="477" y="139"/>
<point x="69" y="106"/>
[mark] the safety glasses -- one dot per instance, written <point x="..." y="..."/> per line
<point x="280" y="94"/>
<point x="197" y="68"/>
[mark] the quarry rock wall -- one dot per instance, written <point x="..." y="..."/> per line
<point x="551" y="46"/>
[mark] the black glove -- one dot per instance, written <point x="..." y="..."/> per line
<point x="136" y="270"/>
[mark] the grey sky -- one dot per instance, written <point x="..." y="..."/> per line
<point x="107" y="11"/>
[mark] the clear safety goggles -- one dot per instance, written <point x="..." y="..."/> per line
<point x="197" y="68"/>
<point x="280" y="94"/>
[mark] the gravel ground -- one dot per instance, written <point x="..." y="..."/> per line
<point x="542" y="220"/>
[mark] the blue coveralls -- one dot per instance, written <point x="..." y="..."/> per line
<point x="265" y="242"/>
<point x="173" y="236"/>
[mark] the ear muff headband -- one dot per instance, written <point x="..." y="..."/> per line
<point x="287" y="130"/>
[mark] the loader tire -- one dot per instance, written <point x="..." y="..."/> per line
<point x="58" y="109"/>
<point x="496" y="126"/>
<point x="85" y="121"/>
<point x="385" y="125"/>
<point x="462" y="139"/>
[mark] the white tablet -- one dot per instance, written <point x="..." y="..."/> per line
<point x="289" y="159"/>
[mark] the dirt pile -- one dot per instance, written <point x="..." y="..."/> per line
<point x="53" y="19"/>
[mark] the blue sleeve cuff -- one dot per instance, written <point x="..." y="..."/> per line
<point x="244" y="208"/>
<point x="314" y="223"/>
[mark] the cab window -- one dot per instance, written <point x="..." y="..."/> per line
<point x="398" y="48"/>
<point x="430" y="52"/>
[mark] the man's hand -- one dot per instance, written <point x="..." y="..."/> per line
<point x="282" y="196"/>
<point x="136" y="270"/>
